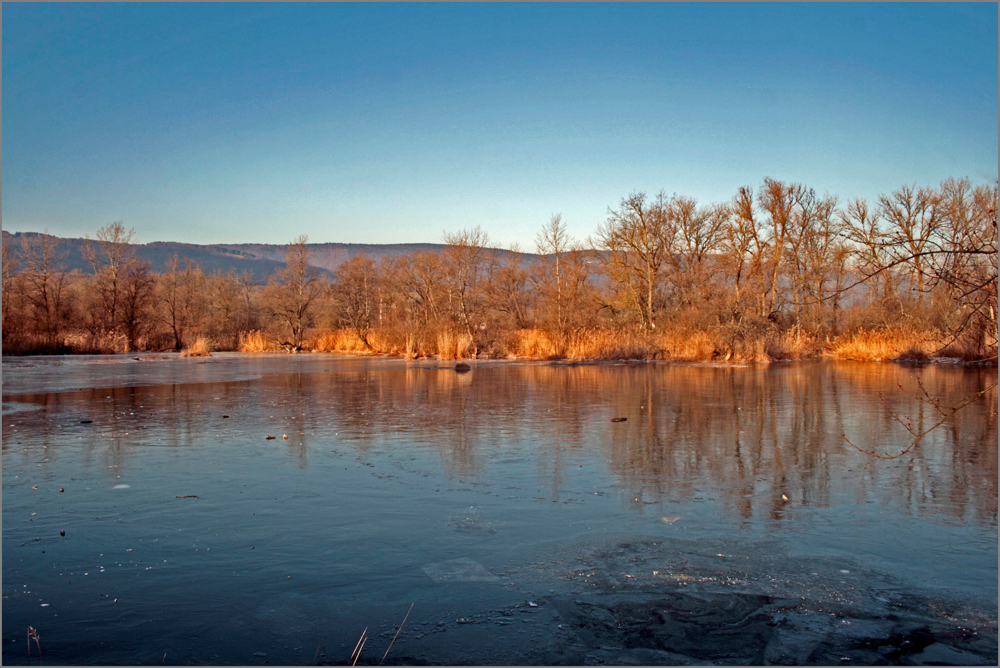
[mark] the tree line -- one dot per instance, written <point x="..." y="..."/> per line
<point x="776" y="271"/>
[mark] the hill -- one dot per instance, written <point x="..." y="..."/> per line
<point x="262" y="260"/>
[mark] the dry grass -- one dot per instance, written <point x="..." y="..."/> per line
<point x="535" y="344"/>
<point x="102" y="342"/>
<point x="445" y="343"/>
<point x="790" y="345"/>
<point x="339" y="341"/>
<point x="752" y="351"/>
<point x="199" y="348"/>
<point x="607" y="344"/>
<point x="688" y="345"/>
<point x="883" y="344"/>
<point x="348" y="341"/>
<point x="453" y="345"/>
<point x="75" y="343"/>
<point x="680" y="343"/>
<point x="255" y="342"/>
<point x="410" y="346"/>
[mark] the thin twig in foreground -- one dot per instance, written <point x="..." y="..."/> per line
<point x="397" y="634"/>
<point x="359" y="651"/>
<point x="359" y="646"/>
<point x="33" y="635"/>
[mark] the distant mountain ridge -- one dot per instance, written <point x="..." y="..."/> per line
<point x="262" y="260"/>
<point x="327" y="255"/>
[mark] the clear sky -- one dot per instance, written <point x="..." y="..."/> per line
<point x="381" y="123"/>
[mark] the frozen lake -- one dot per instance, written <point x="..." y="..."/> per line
<point x="724" y="520"/>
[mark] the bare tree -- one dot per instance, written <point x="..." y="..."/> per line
<point x="136" y="300"/>
<point x="509" y="289"/>
<point x="468" y="264"/>
<point x="861" y="227"/>
<point x="293" y="292"/>
<point x="10" y="297"/>
<point x="810" y="235"/>
<point x="45" y="281"/>
<point x="635" y="242"/>
<point x="183" y="296"/>
<point x="913" y="217"/>
<point x="421" y="280"/>
<point x="822" y="260"/>
<point x="356" y="295"/>
<point x="778" y="201"/>
<point x="947" y="239"/>
<point x="224" y="305"/>
<point x="9" y="265"/>
<point x="389" y="272"/>
<point x="580" y="295"/>
<point x="247" y="286"/>
<point x="111" y="259"/>
<point x="696" y="233"/>
<point x="744" y="245"/>
<point x="552" y="242"/>
<point x="963" y="261"/>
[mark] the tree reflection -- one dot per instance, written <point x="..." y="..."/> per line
<point x="762" y="441"/>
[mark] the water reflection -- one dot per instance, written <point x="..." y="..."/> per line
<point x="759" y="437"/>
<point x="762" y="442"/>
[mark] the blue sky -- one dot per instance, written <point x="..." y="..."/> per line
<point x="381" y="123"/>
